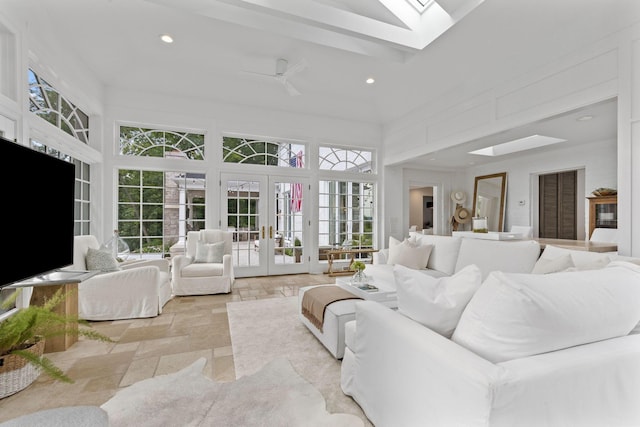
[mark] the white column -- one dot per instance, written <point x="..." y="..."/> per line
<point x="629" y="143"/>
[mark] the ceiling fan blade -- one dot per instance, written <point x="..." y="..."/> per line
<point x="291" y="90"/>
<point x="296" y="68"/>
<point x="253" y="73"/>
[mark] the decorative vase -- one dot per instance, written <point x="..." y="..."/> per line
<point x="359" y="278"/>
<point x="118" y="247"/>
<point x="480" y="224"/>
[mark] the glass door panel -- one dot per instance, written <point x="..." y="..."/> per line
<point x="288" y="221"/>
<point x="242" y="217"/>
<point x="266" y="216"/>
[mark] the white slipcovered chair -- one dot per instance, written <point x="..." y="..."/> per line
<point x="201" y="272"/>
<point x="137" y="289"/>
<point x="604" y="235"/>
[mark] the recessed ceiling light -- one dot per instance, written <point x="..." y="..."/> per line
<point x="584" y="118"/>
<point x="522" y="144"/>
<point x="166" y="38"/>
<point x="370" y="81"/>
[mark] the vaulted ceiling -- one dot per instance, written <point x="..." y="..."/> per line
<point x="416" y="56"/>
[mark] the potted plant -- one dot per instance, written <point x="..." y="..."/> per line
<point x="22" y="338"/>
<point x="297" y="251"/>
<point x="359" y="277"/>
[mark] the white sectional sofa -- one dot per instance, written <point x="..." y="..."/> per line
<point x="555" y="349"/>
<point x="448" y="255"/>
<point x="451" y="254"/>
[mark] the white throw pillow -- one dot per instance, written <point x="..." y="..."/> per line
<point x="408" y="254"/>
<point x="583" y="260"/>
<point x="209" y="252"/>
<point x="437" y="303"/>
<point x="553" y="265"/>
<point x="444" y="253"/>
<point x="518" y="315"/>
<point x="97" y="259"/>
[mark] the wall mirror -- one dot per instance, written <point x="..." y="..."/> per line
<point x="489" y="194"/>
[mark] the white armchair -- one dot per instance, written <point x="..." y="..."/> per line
<point x="192" y="276"/>
<point x="139" y="289"/>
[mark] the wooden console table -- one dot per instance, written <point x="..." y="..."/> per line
<point x="44" y="287"/>
<point x="69" y="307"/>
<point x="580" y="245"/>
<point x="331" y="256"/>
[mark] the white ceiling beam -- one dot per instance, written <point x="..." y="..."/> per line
<point x="404" y="12"/>
<point x="288" y="28"/>
<point x="325" y="16"/>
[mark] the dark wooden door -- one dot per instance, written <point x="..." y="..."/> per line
<point x="558" y="205"/>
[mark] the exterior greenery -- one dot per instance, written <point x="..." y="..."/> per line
<point x="136" y="141"/>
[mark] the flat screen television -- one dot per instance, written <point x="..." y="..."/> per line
<point x="38" y="201"/>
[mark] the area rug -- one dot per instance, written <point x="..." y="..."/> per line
<point x="269" y="329"/>
<point x="274" y="396"/>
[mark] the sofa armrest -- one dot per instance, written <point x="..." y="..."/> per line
<point x="380" y="257"/>
<point x="162" y="264"/>
<point x="178" y="262"/>
<point x="142" y="279"/>
<point x="594" y="384"/>
<point x="119" y="294"/>
<point x="406" y="374"/>
<point x="227" y="266"/>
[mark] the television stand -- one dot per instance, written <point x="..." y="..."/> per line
<point x="69" y="307"/>
<point x="44" y="287"/>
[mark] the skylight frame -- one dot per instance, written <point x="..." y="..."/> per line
<point x="517" y="145"/>
<point x="420" y="5"/>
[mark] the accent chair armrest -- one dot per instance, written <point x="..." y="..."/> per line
<point x="162" y="264"/>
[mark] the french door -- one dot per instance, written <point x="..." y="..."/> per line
<point x="267" y="216"/>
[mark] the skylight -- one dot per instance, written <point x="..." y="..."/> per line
<point x="420" y="5"/>
<point x="522" y="144"/>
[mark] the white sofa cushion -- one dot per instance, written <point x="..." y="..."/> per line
<point x="553" y="265"/>
<point x="444" y="253"/>
<point x="583" y="260"/>
<point x="437" y="303"/>
<point x="492" y="255"/>
<point x="409" y="254"/>
<point x="519" y="315"/>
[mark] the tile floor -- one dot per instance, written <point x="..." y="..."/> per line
<point x="189" y="327"/>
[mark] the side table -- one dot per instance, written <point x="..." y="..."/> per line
<point x="44" y="287"/>
<point x="69" y="307"/>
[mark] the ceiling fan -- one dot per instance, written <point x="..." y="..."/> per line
<point x="284" y="73"/>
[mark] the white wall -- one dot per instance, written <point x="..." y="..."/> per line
<point x="216" y="120"/>
<point x="597" y="159"/>
<point x="607" y="69"/>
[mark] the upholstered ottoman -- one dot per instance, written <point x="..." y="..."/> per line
<point x="336" y="315"/>
<point x="340" y="312"/>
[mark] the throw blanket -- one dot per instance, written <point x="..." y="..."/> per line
<point x="316" y="300"/>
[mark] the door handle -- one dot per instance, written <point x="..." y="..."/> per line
<point x="271" y="232"/>
<point x="263" y="231"/>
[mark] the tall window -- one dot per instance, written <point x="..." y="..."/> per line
<point x="46" y="102"/>
<point x="346" y="160"/>
<point x="82" y="206"/>
<point x="345" y="214"/>
<point x="157" y="208"/>
<point x="137" y="141"/>
<point x="346" y="206"/>
<point x="259" y="152"/>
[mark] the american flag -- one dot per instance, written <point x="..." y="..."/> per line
<point x="296" y="188"/>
